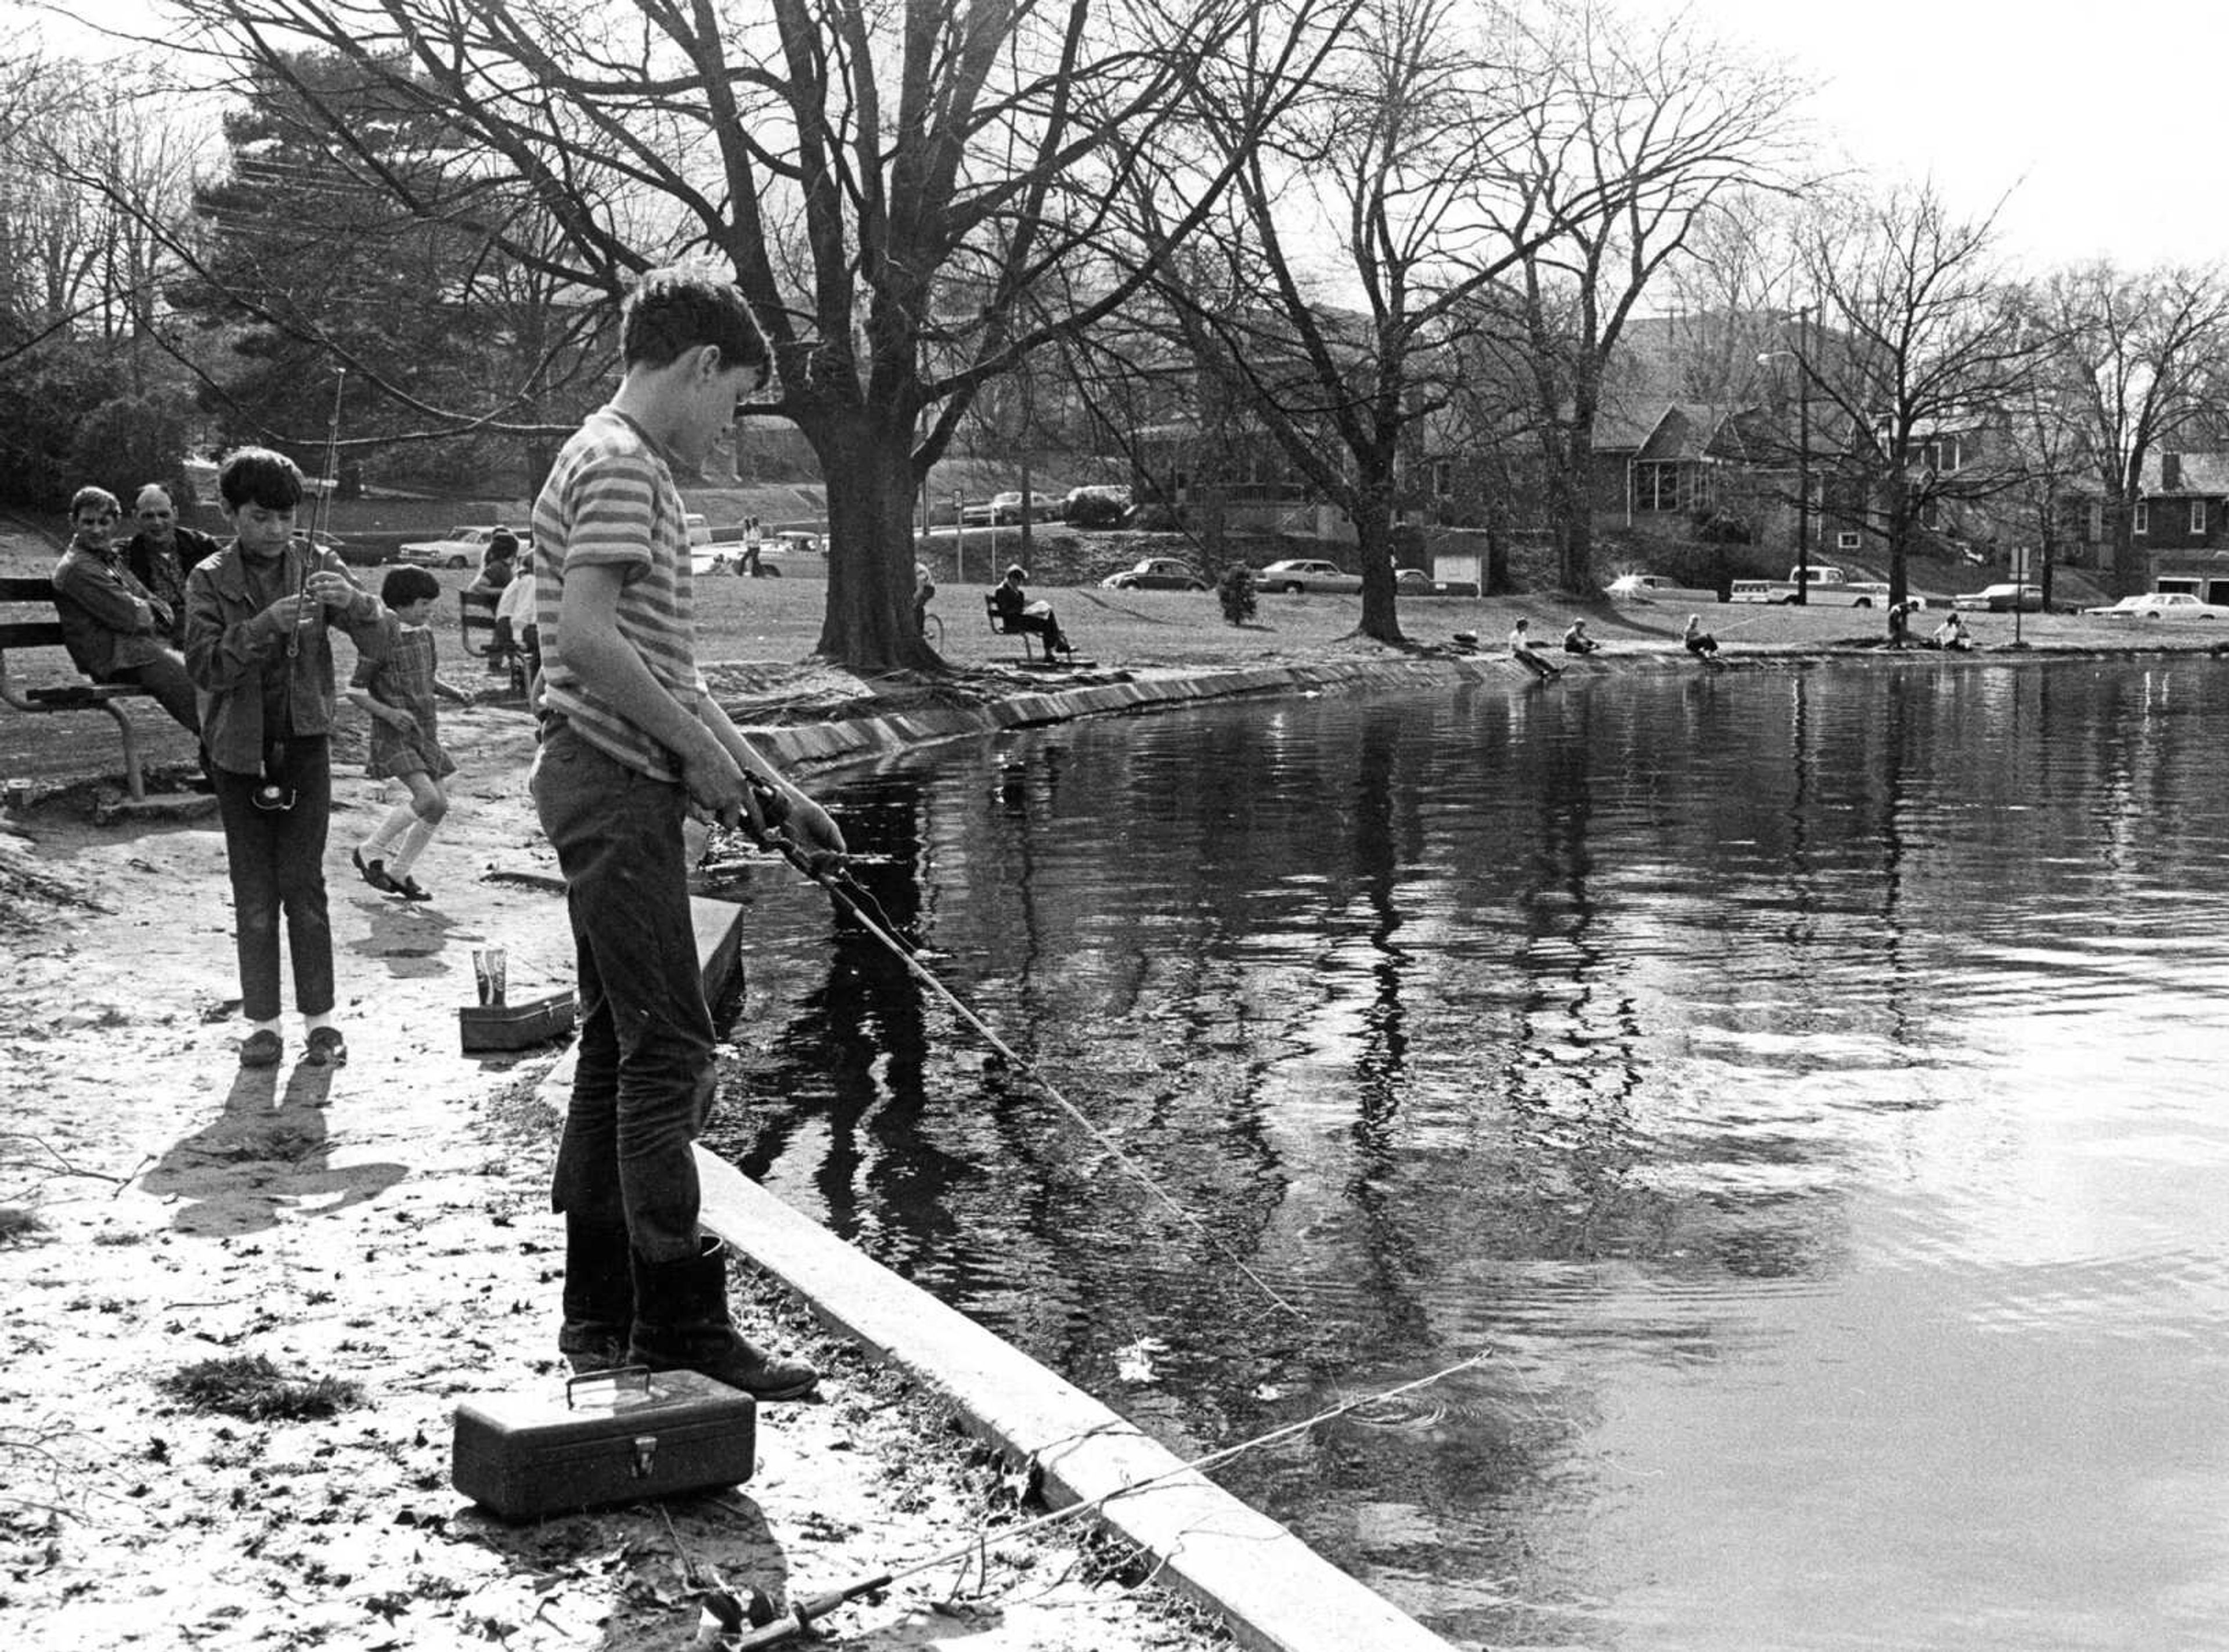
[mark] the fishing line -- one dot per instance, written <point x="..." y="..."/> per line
<point x="854" y="900"/>
<point x="801" y="1613"/>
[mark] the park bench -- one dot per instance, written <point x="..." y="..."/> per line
<point x="20" y="599"/>
<point x="475" y="616"/>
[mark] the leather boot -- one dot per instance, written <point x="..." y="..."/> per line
<point x="598" y="1297"/>
<point x="681" y="1323"/>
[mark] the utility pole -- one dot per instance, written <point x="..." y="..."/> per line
<point x="1804" y="455"/>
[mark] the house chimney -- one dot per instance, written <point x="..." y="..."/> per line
<point x="2170" y="472"/>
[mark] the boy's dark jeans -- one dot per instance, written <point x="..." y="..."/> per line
<point x="277" y="859"/>
<point x="642" y="1088"/>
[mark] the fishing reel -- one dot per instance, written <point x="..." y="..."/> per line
<point x="271" y="795"/>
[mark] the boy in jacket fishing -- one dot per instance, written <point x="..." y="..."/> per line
<point x="632" y="741"/>
<point x="257" y="618"/>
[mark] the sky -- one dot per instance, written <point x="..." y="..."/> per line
<point x="2100" y="125"/>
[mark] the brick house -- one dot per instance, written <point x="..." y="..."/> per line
<point x="2183" y="522"/>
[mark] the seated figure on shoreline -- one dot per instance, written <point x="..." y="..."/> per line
<point x="1017" y="614"/>
<point x="1520" y="650"/>
<point x="1576" y="640"/>
<point x="1697" y="641"/>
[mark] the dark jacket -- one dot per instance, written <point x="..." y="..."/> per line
<point x="163" y="572"/>
<point x="237" y="654"/>
<point x="110" y="622"/>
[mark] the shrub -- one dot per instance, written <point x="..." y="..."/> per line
<point x="1234" y="591"/>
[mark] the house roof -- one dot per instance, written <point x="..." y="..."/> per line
<point x="2201" y="473"/>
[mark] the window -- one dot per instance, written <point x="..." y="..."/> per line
<point x="2143" y="522"/>
<point x="2096" y="527"/>
<point x="1655" y="486"/>
<point x="1940" y="455"/>
<point x="1846" y="539"/>
<point x="2198" y="518"/>
<point x="1443" y="478"/>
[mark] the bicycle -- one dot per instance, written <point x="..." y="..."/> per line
<point x="932" y="630"/>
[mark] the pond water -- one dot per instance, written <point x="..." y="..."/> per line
<point x="1798" y="1088"/>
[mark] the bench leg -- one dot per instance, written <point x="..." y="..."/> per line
<point x="133" y="782"/>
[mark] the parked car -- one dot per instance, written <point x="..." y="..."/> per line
<point x="2001" y="599"/>
<point x="1295" y="573"/>
<point x="1415" y="582"/>
<point x="2161" y="605"/>
<point x="1657" y="588"/>
<point x="1156" y="573"/>
<point x="799" y="540"/>
<point x="461" y="547"/>
<point x="1002" y="509"/>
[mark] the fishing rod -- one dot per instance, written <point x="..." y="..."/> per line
<point x="802" y="1613"/>
<point x="271" y="793"/>
<point x="853" y="900"/>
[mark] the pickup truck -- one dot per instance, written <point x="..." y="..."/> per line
<point x="1829" y="586"/>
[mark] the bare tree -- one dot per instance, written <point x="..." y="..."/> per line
<point x="1663" y="126"/>
<point x="894" y="187"/>
<point x="1919" y="348"/>
<point x="1341" y="351"/>
<point x="2135" y="357"/>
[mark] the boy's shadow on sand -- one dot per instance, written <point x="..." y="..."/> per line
<point x="265" y="1155"/>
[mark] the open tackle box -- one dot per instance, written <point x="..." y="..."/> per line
<point x="616" y="1436"/>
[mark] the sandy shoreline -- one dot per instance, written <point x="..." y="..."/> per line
<point x="387" y="1225"/>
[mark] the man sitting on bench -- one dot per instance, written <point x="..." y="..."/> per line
<point x="1019" y="614"/>
<point x="114" y="628"/>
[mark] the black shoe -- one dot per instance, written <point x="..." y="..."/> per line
<point x="326" y="1047"/>
<point x="373" y="872"/>
<point x="409" y="888"/>
<point x="261" y="1048"/>
<point x="681" y="1324"/>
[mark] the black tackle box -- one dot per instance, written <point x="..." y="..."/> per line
<point x="614" y="1438"/>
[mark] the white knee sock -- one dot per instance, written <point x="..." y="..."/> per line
<point x="413" y="845"/>
<point x="381" y="844"/>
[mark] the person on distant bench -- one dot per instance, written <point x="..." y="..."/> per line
<point x="1576" y="640"/>
<point x="1520" y="650"/>
<point x="115" y="628"/>
<point x="1017" y="614"/>
<point x="515" y="629"/>
<point x="498" y="563"/>
<point x="161" y="554"/>
<point x="1697" y="641"/>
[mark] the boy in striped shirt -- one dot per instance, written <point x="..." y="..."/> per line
<point x="632" y="739"/>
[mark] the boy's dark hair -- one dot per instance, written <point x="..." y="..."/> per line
<point x="259" y="476"/>
<point x="676" y="309"/>
<point x="404" y="585"/>
<point x="86" y="496"/>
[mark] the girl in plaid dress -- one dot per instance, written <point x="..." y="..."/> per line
<point x="395" y="684"/>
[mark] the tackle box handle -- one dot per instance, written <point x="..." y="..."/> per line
<point x="616" y="1375"/>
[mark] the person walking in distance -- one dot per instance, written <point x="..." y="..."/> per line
<point x="632" y="741"/>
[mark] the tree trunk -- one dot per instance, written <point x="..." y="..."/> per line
<point x="1374" y="532"/>
<point x="868" y="624"/>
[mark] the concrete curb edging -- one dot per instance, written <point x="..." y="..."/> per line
<point x="1274" y="1593"/>
<point x="818" y="744"/>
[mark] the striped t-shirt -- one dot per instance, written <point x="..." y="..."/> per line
<point x="610" y="499"/>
